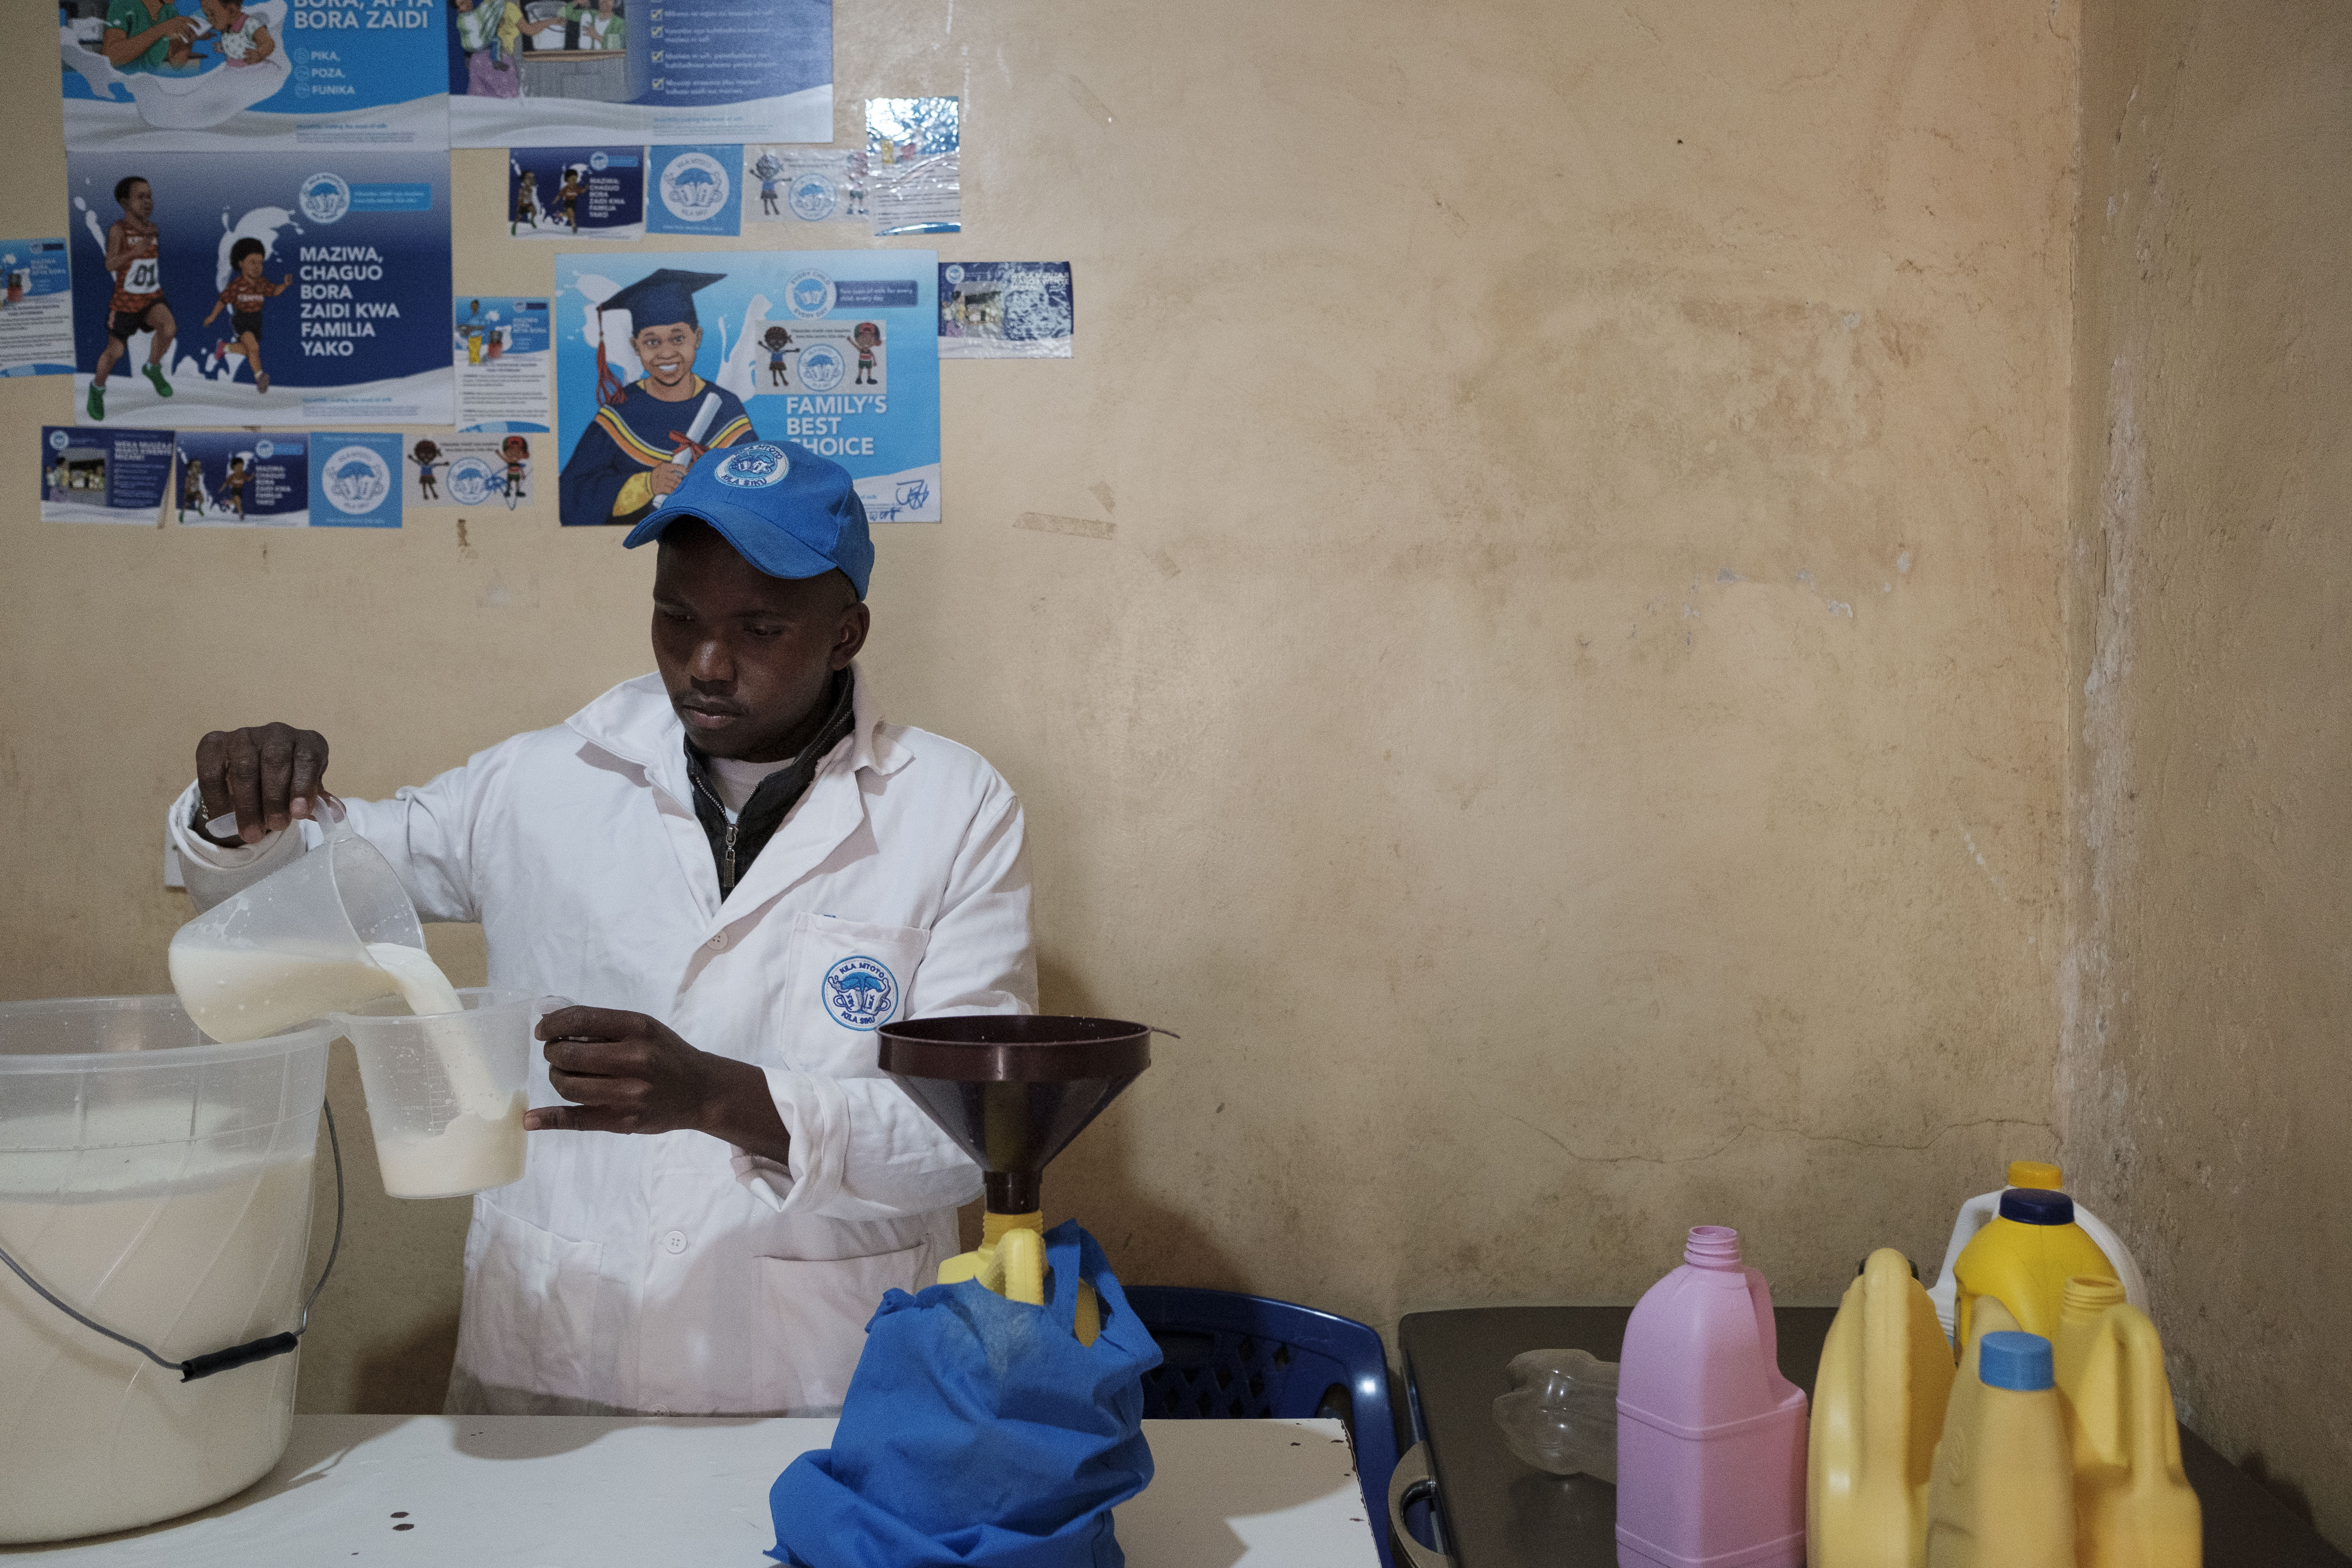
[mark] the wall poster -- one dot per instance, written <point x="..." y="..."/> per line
<point x="188" y="76"/>
<point x="576" y="193"/>
<point x="656" y="360"/>
<point x="296" y="288"/>
<point x="286" y="479"/>
<point x="541" y="73"/>
<point x="35" y="307"/>
<point x="502" y="354"/>
<point x="104" y="476"/>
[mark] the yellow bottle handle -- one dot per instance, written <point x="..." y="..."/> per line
<point x="1011" y="1261"/>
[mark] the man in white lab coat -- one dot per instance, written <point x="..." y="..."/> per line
<point x="741" y="870"/>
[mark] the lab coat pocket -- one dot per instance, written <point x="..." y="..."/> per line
<point x="848" y="978"/>
<point x="816" y="1315"/>
<point x="530" y="1308"/>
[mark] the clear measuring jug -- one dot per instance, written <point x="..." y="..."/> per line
<point x="445" y="1090"/>
<point x="295" y="945"/>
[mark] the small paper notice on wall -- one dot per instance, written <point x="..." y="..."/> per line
<point x="504" y="352"/>
<point x="805" y="185"/>
<point x="35" y="307"/>
<point x="576" y="193"/>
<point x="696" y="190"/>
<point x="912" y="148"/>
<point x="1005" y="310"/>
<point x="479" y="471"/>
<point x="288" y="479"/>
<point x="104" y="476"/>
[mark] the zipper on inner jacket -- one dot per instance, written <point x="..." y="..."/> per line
<point x="727" y="871"/>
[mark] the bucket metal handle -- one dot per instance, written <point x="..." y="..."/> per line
<point x="211" y="1362"/>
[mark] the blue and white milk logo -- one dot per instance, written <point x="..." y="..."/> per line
<point x="813" y="198"/>
<point x="325" y="197"/>
<point x="357" y="481"/>
<point x="694" y="187"/>
<point x="264" y="448"/>
<point x="58" y="440"/>
<point x="598" y="161"/>
<point x="860" y="993"/>
<point x="473" y="480"/>
<point x="809" y="295"/>
<point x="821" y="367"/>
<point x="754" y="467"/>
<point x="955" y="271"/>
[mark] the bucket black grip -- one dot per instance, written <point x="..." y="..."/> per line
<point x="198" y="1366"/>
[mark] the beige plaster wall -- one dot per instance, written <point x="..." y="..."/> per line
<point x="2210" y="569"/>
<point x="1530" y="633"/>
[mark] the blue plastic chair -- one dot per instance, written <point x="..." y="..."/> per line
<point x="1230" y="1356"/>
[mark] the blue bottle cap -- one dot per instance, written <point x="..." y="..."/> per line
<point x="2020" y="1361"/>
<point x="2037" y="1206"/>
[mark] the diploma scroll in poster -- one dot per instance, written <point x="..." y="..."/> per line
<point x="834" y="350"/>
<point x="303" y="287"/>
<point x="244" y="76"/>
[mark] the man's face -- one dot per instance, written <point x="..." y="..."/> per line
<point x="668" y="352"/>
<point x="747" y="657"/>
<point x="140" y="201"/>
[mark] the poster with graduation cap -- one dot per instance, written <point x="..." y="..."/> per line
<point x="658" y="360"/>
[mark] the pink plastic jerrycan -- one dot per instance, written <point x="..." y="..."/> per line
<point x="1710" y="1437"/>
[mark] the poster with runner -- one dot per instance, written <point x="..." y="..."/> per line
<point x="306" y="288"/>
<point x="247" y="75"/>
<point x="242" y="478"/>
<point x="554" y="73"/>
<point x="659" y="357"/>
<point x="104" y="476"/>
<point x="35" y="307"/>
<point x="575" y="192"/>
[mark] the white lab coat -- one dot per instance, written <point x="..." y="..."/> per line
<point x="671" y="1274"/>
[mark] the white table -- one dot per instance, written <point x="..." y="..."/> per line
<point x="577" y="1491"/>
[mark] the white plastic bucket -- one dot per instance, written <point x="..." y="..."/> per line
<point x="160" y="1184"/>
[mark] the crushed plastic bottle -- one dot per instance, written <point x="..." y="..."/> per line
<point x="1561" y="1413"/>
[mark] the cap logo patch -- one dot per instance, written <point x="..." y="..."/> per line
<point x="754" y="467"/>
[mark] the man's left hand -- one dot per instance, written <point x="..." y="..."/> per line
<point x="625" y="1072"/>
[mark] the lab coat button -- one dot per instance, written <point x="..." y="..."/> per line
<point x="674" y="1241"/>
<point x="719" y="943"/>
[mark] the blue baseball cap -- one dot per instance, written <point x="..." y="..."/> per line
<point x="786" y="510"/>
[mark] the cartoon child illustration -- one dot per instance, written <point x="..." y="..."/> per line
<point x="516" y="452"/>
<point x="526" y="202"/>
<point x="426" y="456"/>
<point x="779" y="344"/>
<point x="191" y="490"/>
<point x="648" y="432"/>
<point x="247" y="293"/>
<point x="867" y="336"/>
<point x="567" y="197"/>
<point x="491" y="32"/>
<point x="237" y="477"/>
<point x="768" y="169"/>
<point x="245" y="38"/>
<point x="134" y="255"/>
<point x="857" y="191"/>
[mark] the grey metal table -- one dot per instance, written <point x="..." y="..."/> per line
<point x="1498" y="1512"/>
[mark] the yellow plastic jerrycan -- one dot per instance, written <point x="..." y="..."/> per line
<point x="1878" y="1409"/>
<point x="2025" y="1255"/>
<point x="2133" y="1505"/>
<point x="1011" y="1261"/>
<point x="2003" y="1492"/>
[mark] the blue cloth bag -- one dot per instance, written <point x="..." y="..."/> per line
<point x="977" y="1433"/>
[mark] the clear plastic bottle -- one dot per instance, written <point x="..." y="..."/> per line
<point x="1561" y="1413"/>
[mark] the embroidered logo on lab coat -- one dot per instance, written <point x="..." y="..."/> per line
<point x="860" y="993"/>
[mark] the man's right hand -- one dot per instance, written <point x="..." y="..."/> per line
<point x="269" y="775"/>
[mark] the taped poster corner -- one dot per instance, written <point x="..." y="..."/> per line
<point x="1006" y="309"/>
<point x="913" y="149"/>
<point x="104" y="476"/>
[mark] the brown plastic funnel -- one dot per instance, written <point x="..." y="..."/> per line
<point x="1013" y="1089"/>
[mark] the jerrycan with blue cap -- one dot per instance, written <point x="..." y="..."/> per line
<point x="2025" y="1257"/>
<point x="2002" y="1495"/>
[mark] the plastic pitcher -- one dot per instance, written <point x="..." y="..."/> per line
<point x="1878" y="1409"/>
<point x="161" y="1185"/>
<point x="2133" y="1505"/>
<point x="1979" y="1210"/>
<point x="2003" y="1494"/>
<point x="445" y="1090"/>
<point x="294" y="946"/>
<point x="2025" y="1257"/>
<point x="1710" y="1437"/>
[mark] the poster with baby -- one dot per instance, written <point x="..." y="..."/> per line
<point x="192" y="76"/>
